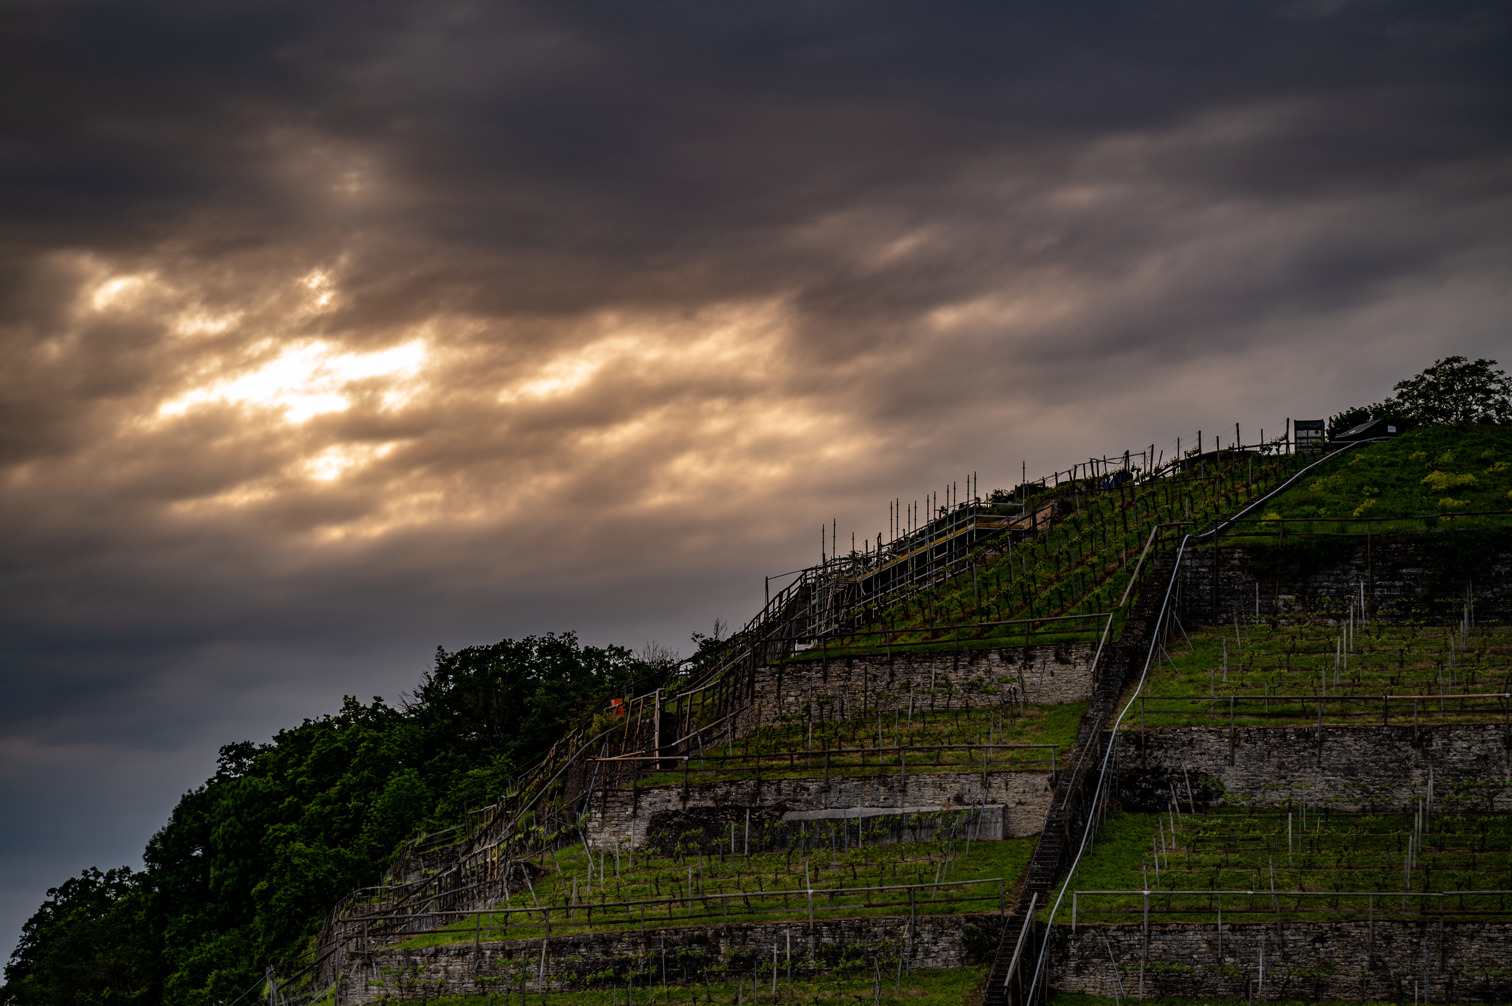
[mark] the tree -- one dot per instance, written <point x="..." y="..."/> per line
<point x="1452" y="392"/>
<point x="249" y="863"/>
<point x="90" y="942"/>
<point x="1455" y="392"/>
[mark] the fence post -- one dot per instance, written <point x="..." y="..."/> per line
<point x="1321" y="701"/>
<point x="1231" y="730"/>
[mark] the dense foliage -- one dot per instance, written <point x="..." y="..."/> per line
<point x="88" y="943"/>
<point x="1453" y="392"/>
<point x="249" y="863"/>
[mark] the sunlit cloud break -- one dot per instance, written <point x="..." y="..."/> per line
<point x="310" y="378"/>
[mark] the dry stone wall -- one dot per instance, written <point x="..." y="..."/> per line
<point x="1345" y="961"/>
<point x="1344" y="767"/>
<point x="847" y="687"/>
<point x="622" y="815"/>
<point x="690" y="953"/>
<point x="1406" y="577"/>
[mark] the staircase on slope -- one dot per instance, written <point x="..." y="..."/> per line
<point x="1072" y="801"/>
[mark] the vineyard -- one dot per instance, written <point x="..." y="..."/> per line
<point x="711" y="812"/>
<point x="578" y="891"/>
<point x="1296" y="861"/>
<point x="1332" y="666"/>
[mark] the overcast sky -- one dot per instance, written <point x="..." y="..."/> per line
<point x="331" y="332"/>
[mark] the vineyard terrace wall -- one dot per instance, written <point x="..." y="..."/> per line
<point x="1352" y="768"/>
<point x="1404" y="576"/>
<point x="624" y="814"/>
<point x="857" y="686"/>
<point x="1355" y="961"/>
<point x="690" y="953"/>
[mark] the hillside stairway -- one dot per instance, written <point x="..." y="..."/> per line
<point x="1073" y="793"/>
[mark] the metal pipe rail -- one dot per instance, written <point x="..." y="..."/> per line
<point x="1025" y="930"/>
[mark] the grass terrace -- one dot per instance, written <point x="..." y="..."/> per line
<point x="633" y="889"/>
<point x="1078" y="999"/>
<point x="1272" y="671"/>
<point x="884" y="982"/>
<point x="1437" y="469"/>
<point x="1318" y="863"/>
<point x="908" y="737"/>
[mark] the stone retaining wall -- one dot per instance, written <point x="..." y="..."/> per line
<point x="691" y="953"/>
<point x="848" y="687"/>
<point x="1311" y="961"/>
<point x="1406" y="577"/>
<point x="1344" y="767"/>
<point x="618" y="815"/>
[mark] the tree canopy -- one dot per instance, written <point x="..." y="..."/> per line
<point x="249" y="863"/>
<point x="1453" y="391"/>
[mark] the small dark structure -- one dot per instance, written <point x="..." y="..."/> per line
<point x="1310" y="434"/>
<point x="1372" y="430"/>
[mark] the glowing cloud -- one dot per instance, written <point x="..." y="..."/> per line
<point x="308" y="379"/>
<point x="116" y="290"/>
<point x="336" y="461"/>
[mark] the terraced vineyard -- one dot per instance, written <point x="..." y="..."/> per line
<point x="615" y="890"/>
<point x="1316" y="863"/>
<point x="905" y="738"/>
<point x="1075" y="569"/>
<point x="880" y="981"/>
<point x="1276" y="671"/>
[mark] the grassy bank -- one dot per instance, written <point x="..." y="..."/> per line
<point x="1290" y="849"/>
<point x="888" y="986"/>
<point x="1262" y="660"/>
<point x="800" y="748"/>
<point x="644" y="889"/>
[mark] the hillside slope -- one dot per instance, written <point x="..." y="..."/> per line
<point x="1436" y="469"/>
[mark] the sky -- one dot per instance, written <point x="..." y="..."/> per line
<point x="334" y="332"/>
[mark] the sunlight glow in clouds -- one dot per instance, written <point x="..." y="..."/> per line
<point x="319" y="284"/>
<point x="115" y="290"/>
<point x="200" y="323"/>
<point x="310" y="379"/>
<point x="336" y="461"/>
<point x="739" y="339"/>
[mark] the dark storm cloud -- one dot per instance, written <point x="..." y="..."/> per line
<point x="335" y="331"/>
